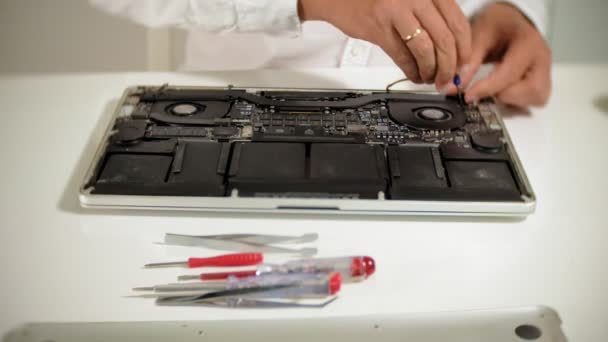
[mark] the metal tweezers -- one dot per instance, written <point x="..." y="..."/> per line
<point x="245" y="242"/>
<point x="238" y="298"/>
<point x="247" y="303"/>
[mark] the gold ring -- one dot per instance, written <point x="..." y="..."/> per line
<point x="413" y="35"/>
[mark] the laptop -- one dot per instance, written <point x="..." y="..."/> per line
<point x="372" y="152"/>
<point x="539" y="324"/>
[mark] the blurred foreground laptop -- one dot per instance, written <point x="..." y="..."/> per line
<point x="539" y="324"/>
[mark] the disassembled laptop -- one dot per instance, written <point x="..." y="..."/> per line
<point x="331" y="151"/>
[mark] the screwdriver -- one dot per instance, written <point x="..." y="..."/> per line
<point x="352" y="269"/>
<point x="295" y="285"/>
<point x="226" y="260"/>
<point x="221" y="275"/>
<point x="458" y="82"/>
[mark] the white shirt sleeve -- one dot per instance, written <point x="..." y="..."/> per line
<point x="535" y="10"/>
<point x="275" y="17"/>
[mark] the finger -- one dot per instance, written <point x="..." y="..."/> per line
<point x="421" y="46"/>
<point x="533" y="90"/>
<point x="458" y="23"/>
<point x="444" y="42"/>
<point x="401" y="55"/>
<point x="483" y="40"/>
<point x="468" y="71"/>
<point x="423" y="50"/>
<point x="515" y="63"/>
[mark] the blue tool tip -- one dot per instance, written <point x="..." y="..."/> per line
<point x="457" y="80"/>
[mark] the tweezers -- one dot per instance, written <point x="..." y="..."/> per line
<point x="245" y="242"/>
<point x="248" y="303"/>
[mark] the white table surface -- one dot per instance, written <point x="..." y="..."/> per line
<point x="63" y="263"/>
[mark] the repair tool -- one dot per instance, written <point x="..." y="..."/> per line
<point x="245" y="242"/>
<point x="265" y="303"/>
<point x="458" y="82"/>
<point x="352" y="269"/>
<point x="283" y="288"/>
<point x="185" y="287"/>
<point x="231" y="282"/>
<point x="226" y="260"/>
<point x="260" y="269"/>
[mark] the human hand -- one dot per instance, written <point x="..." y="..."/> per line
<point x="522" y="77"/>
<point x="433" y="56"/>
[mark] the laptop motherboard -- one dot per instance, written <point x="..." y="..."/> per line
<point x="230" y="142"/>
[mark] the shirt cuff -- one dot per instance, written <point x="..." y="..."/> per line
<point x="275" y="17"/>
<point x="534" y="10"/>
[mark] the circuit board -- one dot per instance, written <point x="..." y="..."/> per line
<point x="180" y="141"/>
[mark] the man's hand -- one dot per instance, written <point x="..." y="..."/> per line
<point x="503" y="35"/>
<point x="434" y="56"/>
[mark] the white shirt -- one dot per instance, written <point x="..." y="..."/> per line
<point x="254" y="34"/>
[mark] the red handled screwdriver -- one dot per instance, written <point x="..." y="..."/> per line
<point x="351" y="268"/>
<point x="226" y="260"/>
<point x="220" y="275"/>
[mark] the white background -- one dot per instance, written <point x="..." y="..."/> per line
<point x="70" y="35"/>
